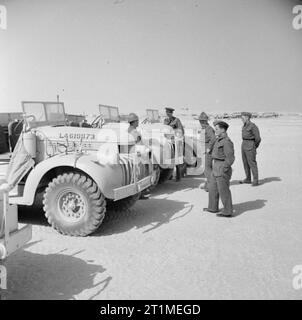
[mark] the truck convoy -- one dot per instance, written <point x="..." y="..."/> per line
<point x="79" y="171"/>
<point x="83" y="171"/>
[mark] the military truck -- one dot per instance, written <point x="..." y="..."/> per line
<point x="166" y="145"/>
<point x="79" y="171"/>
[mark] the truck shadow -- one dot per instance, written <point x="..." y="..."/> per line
<point x="32" y="215"/>
<point x="34" y="276"/>
<point x="185" y="184"/>
<point x="161" y="212"/>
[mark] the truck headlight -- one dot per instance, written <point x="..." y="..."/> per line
<point x="108" y="154"/>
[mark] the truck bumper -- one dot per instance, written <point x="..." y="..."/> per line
<point x="132" y="189"/>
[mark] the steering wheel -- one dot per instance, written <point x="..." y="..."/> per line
<point x="98" y="122"/>
<point x="31" y="116"/>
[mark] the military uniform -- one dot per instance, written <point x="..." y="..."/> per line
<point x="223" y="158"/>
<point x="250" y="142"/>
<point x="176" y="124"/>
<point x="209" y="140"/>
<point x="134" y="132"/>
<point x="132" y="118"/>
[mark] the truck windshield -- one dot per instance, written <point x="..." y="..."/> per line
<point x="44" y="113"/>
<point x="109" y="113"/>
<point x="153" y="115"/>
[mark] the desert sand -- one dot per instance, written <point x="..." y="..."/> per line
<point x="167" y="248"/>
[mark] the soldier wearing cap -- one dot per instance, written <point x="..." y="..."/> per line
<point x="223" y="158"/>
<point x="209" y="140"/>
<point x="172" y="121"/>
<point x="176" y="124"/>
<point x="250" y="142"/>
<point x="133" y="124"/>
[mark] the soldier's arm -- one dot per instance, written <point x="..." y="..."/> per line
<point x="180" y="126"/>
<point x="211" y="144"/>
<point x="256" y="134"/>
<point x="229" y="154"/>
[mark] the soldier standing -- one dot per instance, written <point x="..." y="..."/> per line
<point x="209" y="139"/>
<point x="223" y="158"/>
<point x="250" y="142"/>
<point x="176" y="124"/>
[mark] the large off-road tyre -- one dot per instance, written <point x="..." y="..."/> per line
<point x="74" y="204"/>
<point x="165" y="175"/>
<point x="120" y="208"/>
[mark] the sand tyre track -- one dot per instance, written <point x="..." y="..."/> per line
<point x="74" y="205"/>
<point x="165" y="175"/>
<point x="121" y="208"/>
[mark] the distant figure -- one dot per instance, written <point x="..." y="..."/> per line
<point x="250" y="142"/>
<point x="85" y="124"/>
<point x="223" y="158"/>
<point x="209" y="141"/>
<point x="74" y="124"/>
<point x="176" y="124"/>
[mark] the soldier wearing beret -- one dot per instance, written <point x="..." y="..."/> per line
<point x="209" y="140"/>
<point x="176" y="124"/>
<point x="223" y="158"/>
<point x="250" y="142"/>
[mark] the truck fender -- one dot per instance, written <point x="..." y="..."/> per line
<point x="86" y="163"/>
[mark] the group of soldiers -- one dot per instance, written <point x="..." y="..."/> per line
<point x="219" y="156"/>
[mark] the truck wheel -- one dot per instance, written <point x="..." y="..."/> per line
<point x="74" y="205"/>
<point x="165" y="175"/>
<point x="120" y="208"/>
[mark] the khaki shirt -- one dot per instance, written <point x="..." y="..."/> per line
<point x="223" y="151"/>
<point x="209" y="138"/>
<point x="137" y="136"/>
<point x="175" y="123"/>
<point x="250" y="136"/>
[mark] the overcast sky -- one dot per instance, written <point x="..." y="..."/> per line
<point x="203" y="54"/>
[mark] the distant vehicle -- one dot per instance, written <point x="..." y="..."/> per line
<point x="80" y="172"/>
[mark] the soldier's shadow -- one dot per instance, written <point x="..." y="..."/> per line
<point x="261" y="181"/>
<point x="53" y="276"/>
<point x="244" y="207"/>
